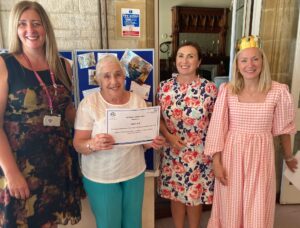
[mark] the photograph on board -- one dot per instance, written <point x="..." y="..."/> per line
<point x="137" y="68"/>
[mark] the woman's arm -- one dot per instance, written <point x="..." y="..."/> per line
<point x="69" y="70"/>
<point x="290" y="160"/>
<point x="17" y="184"/>
<point x="70" y="112"/>
<point x="157" y="143"/>
<point x="219" y="171"/>
<point x="163" y="129"/>
<point x="84" y="144"/>
<point x="173" y="139"/>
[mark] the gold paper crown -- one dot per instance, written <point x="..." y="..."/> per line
<point x="248" y="42"/>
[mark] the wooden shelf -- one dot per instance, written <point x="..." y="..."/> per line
<point x="199" y="20"/>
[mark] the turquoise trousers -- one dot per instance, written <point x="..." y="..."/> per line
<point x="117" y="205"/>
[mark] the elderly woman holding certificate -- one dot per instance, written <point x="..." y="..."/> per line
<point x="113" y="176"/>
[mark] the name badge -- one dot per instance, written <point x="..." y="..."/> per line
<point x="51" y="121"/>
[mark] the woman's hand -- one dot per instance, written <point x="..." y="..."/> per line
<point x="102" y="142"/>
<point x="292" y="164"/>
<point x="173" y="139"/>
<point x="219" y="171"/>
<point x="83" y="143"/>
<point x="157" y="143"/>
<point x="176" y="142"/>
<point x="17" y="185"/>
<point x="290" y="160"/>
<point x="70" y="114"/>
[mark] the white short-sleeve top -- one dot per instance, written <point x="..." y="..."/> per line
<point x="108" y="166"/>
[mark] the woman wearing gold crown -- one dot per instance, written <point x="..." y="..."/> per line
<point x="249" y="111"/>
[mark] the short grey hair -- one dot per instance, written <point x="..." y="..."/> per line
<point x="108" y="58"/>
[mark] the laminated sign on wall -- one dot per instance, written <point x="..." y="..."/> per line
<point x="131" y="26"/>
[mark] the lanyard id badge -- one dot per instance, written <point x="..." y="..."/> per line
<point x="51" y="121"/>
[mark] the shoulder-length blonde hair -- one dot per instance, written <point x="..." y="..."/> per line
<point x="237" y="82"/>
<point x="50" y="46"/>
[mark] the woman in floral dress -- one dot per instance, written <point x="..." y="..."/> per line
<point x="39" y="183"/>
<point x="187" y="102"/>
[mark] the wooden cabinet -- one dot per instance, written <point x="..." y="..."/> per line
<point x="206" y="21"/>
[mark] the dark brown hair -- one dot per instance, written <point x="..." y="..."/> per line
<point x="194" y="45"/>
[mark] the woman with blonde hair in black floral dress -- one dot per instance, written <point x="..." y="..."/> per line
<point x="39" y="186"/>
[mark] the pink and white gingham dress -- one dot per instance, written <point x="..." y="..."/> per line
<point x="243" y="133"/>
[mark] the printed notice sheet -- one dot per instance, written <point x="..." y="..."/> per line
<point x="133" y="126"/>
<point x="294" y="177"/>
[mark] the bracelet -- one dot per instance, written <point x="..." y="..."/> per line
<point x="90" y="148"/>
<point x="291" y="158"/>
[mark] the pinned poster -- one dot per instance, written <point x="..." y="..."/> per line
<point x="92" y="75"/>
<point x="89" y="91"/>
<point x="137" y="68"/>
<point x="130" y="19"/>
<point x="86" y="60"/>
<point x="142" y="90"/>
<point x="101" y="55"/>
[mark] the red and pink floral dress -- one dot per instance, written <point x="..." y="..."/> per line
<point x="186" y="175"/>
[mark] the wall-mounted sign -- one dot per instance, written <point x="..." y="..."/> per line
<point x="131" y="26"/>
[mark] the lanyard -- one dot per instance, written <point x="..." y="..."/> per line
<point x="42" y="84"/>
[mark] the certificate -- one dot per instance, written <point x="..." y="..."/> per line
<point x="133" y="126"/>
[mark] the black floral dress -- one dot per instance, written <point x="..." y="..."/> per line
<point x="43" y="154"/>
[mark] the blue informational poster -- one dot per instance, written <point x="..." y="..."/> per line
<point x="139" y="76"/>
<point x="131" y="22"/>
